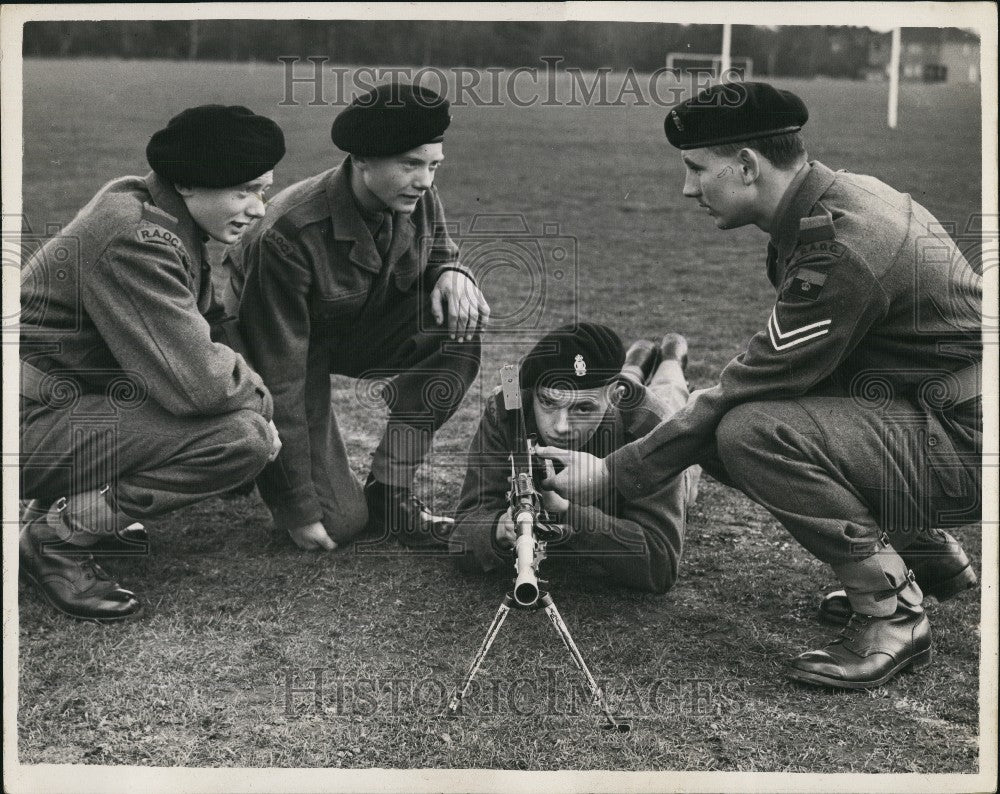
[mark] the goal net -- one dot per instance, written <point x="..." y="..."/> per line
<point x="690" y="63"/>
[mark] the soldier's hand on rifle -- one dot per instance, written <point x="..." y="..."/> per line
<point x="584" y="479"/>
<point x="506" y="532"/>
<point x="312" y="536"/>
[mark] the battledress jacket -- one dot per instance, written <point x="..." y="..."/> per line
<point x="125" y="291"/>
<point x="311" y="264"/>
<point x="872" y="293"/>
<point x="636" y="542"/>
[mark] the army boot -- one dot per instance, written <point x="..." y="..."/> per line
<point x="396" y="510"/>
<point x="641" y="360"/>
<point x="66" y="574"/>
<point x="939" y="563"/>
<point x="887" y="632"/>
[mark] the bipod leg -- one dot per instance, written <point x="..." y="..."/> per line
<point x="596" y="692"/>
<point x="491" y="635"/>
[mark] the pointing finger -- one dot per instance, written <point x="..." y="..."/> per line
<point x="562" y="455"/>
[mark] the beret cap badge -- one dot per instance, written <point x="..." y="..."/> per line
<point x="574" y="357"/>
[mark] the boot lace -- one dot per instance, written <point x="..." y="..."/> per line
<point x="856" y="624"/>
<point x="103" y="584"/>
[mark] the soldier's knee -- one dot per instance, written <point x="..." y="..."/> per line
<point x="249" y="444"/>
<point x="349" y="522"/>
<point x="743" y="436"/>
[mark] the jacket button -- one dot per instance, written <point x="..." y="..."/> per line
<point x="932" y="441"/>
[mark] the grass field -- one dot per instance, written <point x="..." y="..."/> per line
<point x="234" y="614"/>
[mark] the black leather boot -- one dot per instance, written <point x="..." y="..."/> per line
<point x="939" y="563"/>
<point x="72" y="583"/>
<point x="869" y="651"/>
<point x="641" y="360"/>
<point x="405" y="517"/>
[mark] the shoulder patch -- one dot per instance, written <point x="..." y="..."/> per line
<point x="807" y="284"/>
<point x="820" y="251"/>
<point x="815" y="228"/>
<point x="154" y="214"/>
<point x="280" y="242"/>
<point x="154" y="233"/>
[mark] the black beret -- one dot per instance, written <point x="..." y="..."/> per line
<point x="390" y="119"/>
<point x="734" y="112"/>
<point x="574" y="357"/>
<point x="215" y="146"/>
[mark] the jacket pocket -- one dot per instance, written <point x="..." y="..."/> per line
<point x="339" y="308"/>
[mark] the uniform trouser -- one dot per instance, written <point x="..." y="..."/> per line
<point x="670" y="386"/>
<point x="407" y="363"/>
<point x="837" y="474"/>
<point x="153" y="461"/>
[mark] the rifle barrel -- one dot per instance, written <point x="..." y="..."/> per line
<point x="526" y="583"/>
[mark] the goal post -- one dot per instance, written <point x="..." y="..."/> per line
<point x="687" y="63"/>
<point x="893" y="69"/>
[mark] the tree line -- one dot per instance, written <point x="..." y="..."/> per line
<point x="801" y="51"/>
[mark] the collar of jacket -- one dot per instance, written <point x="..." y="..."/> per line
<point x="166" y="198"/>
<point x="809" y="184"/>
<point x="349" y="226"/>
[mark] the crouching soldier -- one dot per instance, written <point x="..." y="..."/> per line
<point x="130" y="404"/>
<point x="347" y="275"/>
<point x="855" y="413"/>
<point x="577" y="396"/>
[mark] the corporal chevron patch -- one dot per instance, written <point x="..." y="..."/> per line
<point x="793" y="337"/>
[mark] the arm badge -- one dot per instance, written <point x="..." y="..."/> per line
<point x="807" y="284"/>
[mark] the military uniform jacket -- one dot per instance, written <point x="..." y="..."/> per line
<point x="635" y="541"/>
<point x="122" y="298"/>
<point x="311" y="266"/>
<point x="874" y="301"/>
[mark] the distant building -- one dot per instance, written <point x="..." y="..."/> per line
<point x="932" y="55"/>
